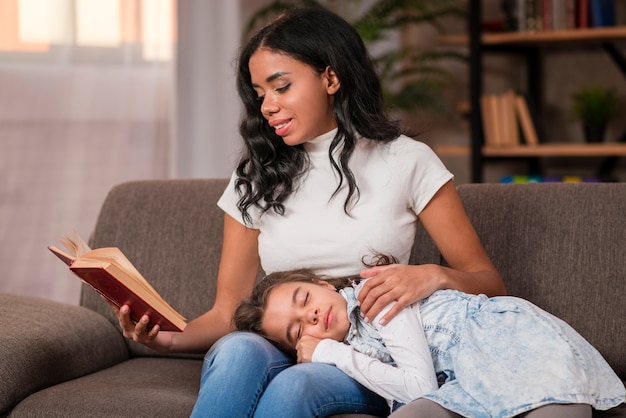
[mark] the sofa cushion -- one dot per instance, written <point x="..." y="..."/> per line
<point x="44" y="343"/>
<point x="140" y="387"/>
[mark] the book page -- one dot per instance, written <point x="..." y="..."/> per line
<point x="76" y="246"/>
<point x="116" y="257"/>
<point x="65" y="257"/>
<point x="79" y="249"/>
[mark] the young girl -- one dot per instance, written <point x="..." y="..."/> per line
<point x="491" y="357"/>
<point x="325" y="175"/>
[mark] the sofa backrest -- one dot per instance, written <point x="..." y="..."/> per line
<point x="563" y="247"/>
<point x="171" y="230"/>
<point x="560" y="246"/>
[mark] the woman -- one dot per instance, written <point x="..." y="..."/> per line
<point x="321" y="160"/>
<point x="493" y="357"/>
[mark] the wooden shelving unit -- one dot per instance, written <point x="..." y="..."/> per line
<point x="541" y="150"/>
<point x="530" y="45"/>
<point x="558" y="150"/>
<point x="574" y="36"/>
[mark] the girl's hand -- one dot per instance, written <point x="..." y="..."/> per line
<point x="305" y="347"/>
<point x="405" y="284"/>
<point x="140" y="333"/>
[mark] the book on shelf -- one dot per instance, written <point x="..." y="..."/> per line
<point x="508" y="120"/>
<point x="534" y="116"/>
<point x="114" y="277"/>
<point x="492" y="122"/>
<point x="499" y="119"/>
<point x="510" y="127"/>
<point x="582" y="14"/>
<point x="602" y="13"/>
<point x="529" y="131"/>
<point x="488" y="116"/>
<point x="547" y="15"/>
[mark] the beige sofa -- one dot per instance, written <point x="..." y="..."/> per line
<point x="561" y="246"/>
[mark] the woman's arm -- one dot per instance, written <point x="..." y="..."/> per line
<point x="412" y="376"/>
<point x="470" y="270"/>
<point x="239" y="265"/>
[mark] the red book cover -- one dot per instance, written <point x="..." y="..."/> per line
<point x="115" y="292"/>
<point x="582" y="13"/>
<point x="546" y="23"/>
<point x="112" y="275"/>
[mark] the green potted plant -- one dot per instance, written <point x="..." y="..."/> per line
<point x="595" y="106"/>
<point x="411" y="76"/>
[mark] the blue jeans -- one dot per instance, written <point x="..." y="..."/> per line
<point x="244" y="376"/>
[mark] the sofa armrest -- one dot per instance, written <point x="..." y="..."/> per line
<point x="43" y="343"/>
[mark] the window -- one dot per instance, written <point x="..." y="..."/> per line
<point x="140" y="30"/>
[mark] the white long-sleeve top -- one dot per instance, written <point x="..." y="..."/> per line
<point x="413" y="374"/>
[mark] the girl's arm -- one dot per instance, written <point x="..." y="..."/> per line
<point x="239" y="265"/>
<point x="414" y="374"/>
<point x="470" y="270"/>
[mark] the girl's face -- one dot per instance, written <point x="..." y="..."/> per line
<point x="295" y="309"/>
<point x="295" y="100"/>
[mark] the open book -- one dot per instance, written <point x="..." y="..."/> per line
<point x="112" y="275"/>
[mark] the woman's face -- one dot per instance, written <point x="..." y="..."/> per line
<point x="295" y="309"/>
<point x="295" y="100"/>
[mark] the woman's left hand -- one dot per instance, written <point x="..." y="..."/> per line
<point x="468" y="270"/>
<point x="402" y="283"/>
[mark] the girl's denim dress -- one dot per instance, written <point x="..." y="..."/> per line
<point x="501" y="356"/>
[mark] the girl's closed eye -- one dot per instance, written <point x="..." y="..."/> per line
<point x="304" y="301"/>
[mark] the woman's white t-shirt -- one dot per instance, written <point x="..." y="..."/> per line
<point x="396" y="180"/>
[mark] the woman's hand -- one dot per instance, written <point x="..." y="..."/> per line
<point x="239" y="265"/>
<point x="405" y="284"/>
<point x="305" y="347"/>
<point x="470" y="269"/>
<point x="140" y="332"/>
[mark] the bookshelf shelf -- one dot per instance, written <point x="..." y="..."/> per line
<point x="558" y="150"/>
<point x="541" y="150"/>
<point x="572" y="36"/>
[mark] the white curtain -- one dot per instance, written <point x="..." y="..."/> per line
<point x="207" y="104"/>
<point x="86" y="102"/>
